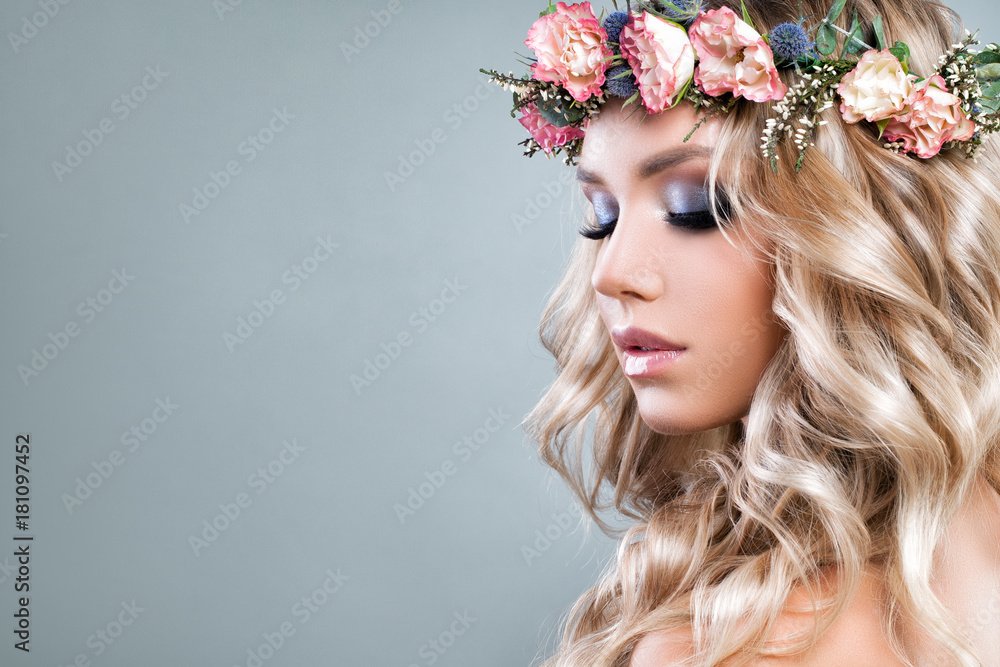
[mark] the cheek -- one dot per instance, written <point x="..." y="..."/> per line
<point x="731" y="312"/>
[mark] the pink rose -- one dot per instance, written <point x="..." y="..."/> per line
<point x="661" y="58"/>
<point x="734" y="58"/>
<point x="570" y="49"/>
<point x="876" y="89"/>
<point x="548" y="136"/>
<point x="932" y="116"/>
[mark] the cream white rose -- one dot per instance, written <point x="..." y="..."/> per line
<point x="876" y="89"/>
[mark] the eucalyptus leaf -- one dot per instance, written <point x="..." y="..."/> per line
<point x="989" y="72"/>
<point x="852" y="44"/>
<point x="559" y="112"/>
<point x="902" y="53"/>
<point x="826" y="39"/>
<point x="879" y="33"/>
<point x="835" y="11"/>
<point x="986" y="58"/>
<point x="992" y="90"/>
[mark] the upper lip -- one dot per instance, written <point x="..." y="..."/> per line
<point x="629" y="337"/>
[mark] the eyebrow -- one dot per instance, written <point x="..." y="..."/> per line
<point x="654" y="165"/>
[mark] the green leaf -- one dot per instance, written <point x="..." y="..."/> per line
<point x="851" y="44"/>
<point x="991" y="97"/>
<point x="551" y="9"/>
<point x="631" y="99"/>
<point x="835" y="11"/>
<point x="879" y="33"/>
<point x="986" y="58"/>
<point x="826" y="39"/>
<point x="678" y="97"/>
<point x="558" y="112"/>
<point x="882" y="124"/>
<point x="902" y="53"/>
<point x="746" y="15"/>
<point x="989" y="72"/>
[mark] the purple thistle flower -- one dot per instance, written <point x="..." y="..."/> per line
<point x="789" y="42"/>
<point x="621" y="82"/>
<point x="682" y="11"/>
<point x="613" y="24"/>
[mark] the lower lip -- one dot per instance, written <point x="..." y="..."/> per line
<point x="647" y="363"/>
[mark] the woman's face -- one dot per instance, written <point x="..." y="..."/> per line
<point x="666" y="279"/>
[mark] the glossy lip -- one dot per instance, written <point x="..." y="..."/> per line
<point x="636" y="362"/>
<point x="634" y="337"/>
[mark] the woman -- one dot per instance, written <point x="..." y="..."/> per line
<point x="792" y="357"/>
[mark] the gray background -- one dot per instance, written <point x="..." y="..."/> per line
<point x="473" y="214"/>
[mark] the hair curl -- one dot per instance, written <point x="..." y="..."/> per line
<point x="868" y="426"/>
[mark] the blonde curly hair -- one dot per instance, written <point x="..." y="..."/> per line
<point x="868" y="427"/>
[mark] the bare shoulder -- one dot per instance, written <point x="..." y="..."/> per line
<point x="662" y="648"/>
<point x="975" y="528"/>
<point x="855" y="637"/>
<point x="967" y="579"/>
<point x="967" y="574"/>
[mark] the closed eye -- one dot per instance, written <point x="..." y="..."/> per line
<point x="600" y="231"/>
<point x="695" y="219"/>
<point x="605" y="217"/>
<point x="692" y="220"/>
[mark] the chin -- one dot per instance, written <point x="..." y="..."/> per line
<point x="669" y="414"/>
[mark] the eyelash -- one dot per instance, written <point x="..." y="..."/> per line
<point x="694" y="221"/>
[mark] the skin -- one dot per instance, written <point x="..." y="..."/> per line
<point x="966" y="578"/>
<point x="690" y="287"/>
<point x="695" y="289"/>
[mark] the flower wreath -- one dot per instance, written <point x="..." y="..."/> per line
<point x="655" y="50"/>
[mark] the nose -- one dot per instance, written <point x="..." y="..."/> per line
<point x="628" y="260"/>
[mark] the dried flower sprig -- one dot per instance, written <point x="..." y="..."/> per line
<point x="803" y="105"/>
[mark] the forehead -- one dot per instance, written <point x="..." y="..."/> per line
<point x="628" y="142"/>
